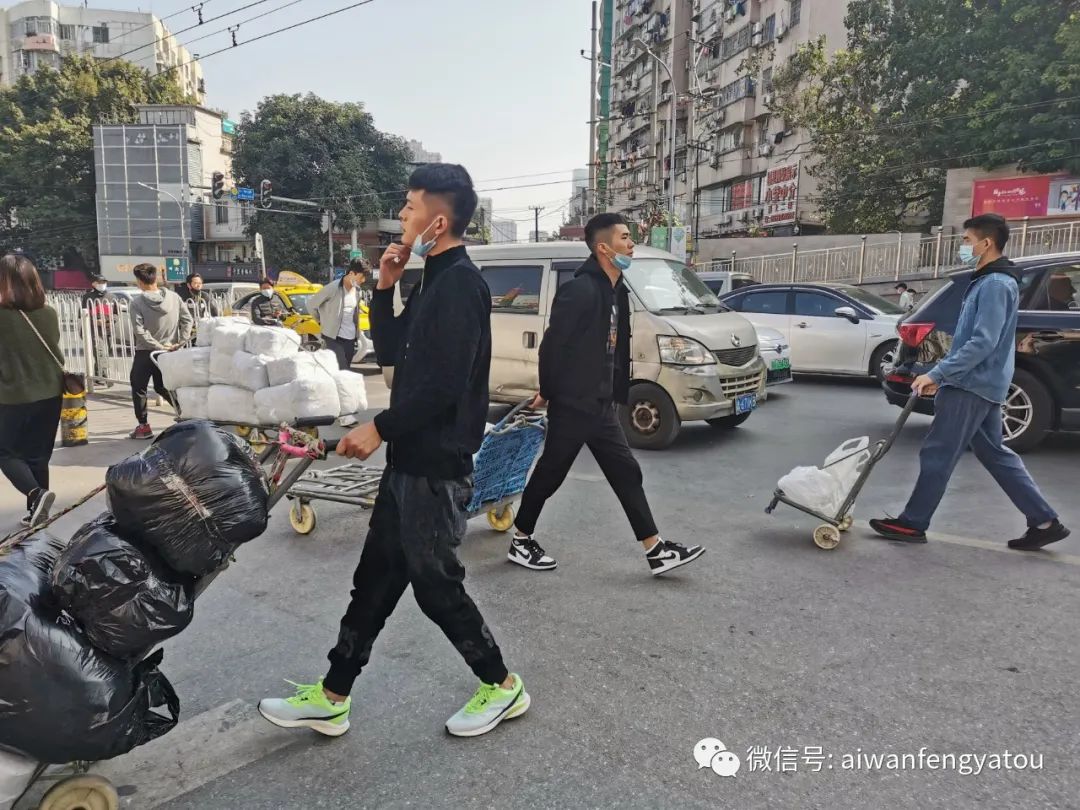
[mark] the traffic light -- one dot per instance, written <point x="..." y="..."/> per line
<point x="217" y="185"/>
<point x="266" y="189"/>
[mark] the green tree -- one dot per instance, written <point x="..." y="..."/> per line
<point x="47" y="203"/>
<point x="928" y="85"/>
<point x="314" y="149"/>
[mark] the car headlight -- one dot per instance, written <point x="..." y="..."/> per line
<point x="680" y="351"/>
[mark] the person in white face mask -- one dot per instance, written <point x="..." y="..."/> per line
<point x="266" y="307"/>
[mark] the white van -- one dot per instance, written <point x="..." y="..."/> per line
<point x="692" y="358"/>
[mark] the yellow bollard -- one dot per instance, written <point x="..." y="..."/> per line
<point x="73" y="421"/>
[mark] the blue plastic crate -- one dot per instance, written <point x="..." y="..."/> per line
<point x="505" y="458"/>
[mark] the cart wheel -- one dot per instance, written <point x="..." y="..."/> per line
<point x="85" y="792"/>
<point x="501" y="520"/>
<point x="845" y="524"/>
<point x="826" y="536"/>
<point x="302" y="517"/>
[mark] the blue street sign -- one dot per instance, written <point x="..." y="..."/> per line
<point x="245" y="194"/>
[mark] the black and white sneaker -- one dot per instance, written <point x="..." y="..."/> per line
<point x="665" y="556"/>
<point x="527" y="552"/>
<point x="40" y="502"/>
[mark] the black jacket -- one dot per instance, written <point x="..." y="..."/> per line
<point x="100" y="301"/>
<point x="440" y="348"/>
<point x="573" y="354"/>
<point x="266" y="311"/>
<point x="201" y="306"/>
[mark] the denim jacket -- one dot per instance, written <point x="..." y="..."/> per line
<point x="982" y="357"/>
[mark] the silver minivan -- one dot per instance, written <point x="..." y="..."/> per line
<point x="692" y="358"/>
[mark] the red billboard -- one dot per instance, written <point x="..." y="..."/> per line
<point x="1043" y="195"/>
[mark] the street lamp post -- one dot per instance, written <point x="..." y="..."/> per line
<point x="180" y="208"/>
<point x="671" y="133"/>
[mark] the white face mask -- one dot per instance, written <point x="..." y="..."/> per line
<point x="101" y="287"/>
<point x="268" y="293"/>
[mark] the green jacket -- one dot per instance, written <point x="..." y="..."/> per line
<point x="28" y="372"/>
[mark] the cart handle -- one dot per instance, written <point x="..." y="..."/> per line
<point x="521" y="406"/>
<point x="886" y="444"/>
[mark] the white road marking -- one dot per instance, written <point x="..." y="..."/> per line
<point x="1049" y="555"/>
<point x="196" y="752"/>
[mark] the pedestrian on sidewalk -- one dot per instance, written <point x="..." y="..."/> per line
<point x="161" y="322"/>
<point x="969" y="386"/>
<point x="266" y="308"/>
<point x="337" y="309"/>
<point x="101" y="304"/>
<point x="907" y="297"/>
<point x="201" y="305"/>
<point x="31" y="384"/>
<point x="584" y="378"/>
<point x="440" y="348"/>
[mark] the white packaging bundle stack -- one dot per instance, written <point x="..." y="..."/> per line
<point x="351" y="392"/>
<point x="300" y="399"/>
<point x="249" y="371"/>
<point x="193" y="402"/>
<point x="304" y="365"/>
<point x="185" y="368"/>
<point x="271" y="341"/>
<point x="237" y="403"/>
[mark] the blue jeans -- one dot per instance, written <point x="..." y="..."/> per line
<point x="962" y="418"/>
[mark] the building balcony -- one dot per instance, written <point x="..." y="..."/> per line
<point x="41" y="42"/>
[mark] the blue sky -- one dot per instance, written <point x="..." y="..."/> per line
<point x="497" y="85"/>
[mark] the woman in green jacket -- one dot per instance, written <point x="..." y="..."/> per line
<point x="30" y="384"/>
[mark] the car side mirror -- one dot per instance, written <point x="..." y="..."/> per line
<point x="847" y="312"/>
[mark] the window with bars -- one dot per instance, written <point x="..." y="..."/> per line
<point x="796" y="11"/>
<point x="67" y="31"/>
<point x="245" y="214"/>
<point x="221" y="213"/>
<point x="736" y="43"/>
<point x="766" y="80"/>
<point x="770" y="28"/>
<point x="738" y="89"/>
<point x="101" y="35"/>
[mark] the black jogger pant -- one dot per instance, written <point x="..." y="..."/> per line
<point x="142" y="371"/>
<point x="415" y="529"/>
<point x="343" y="350"/>
<point x="568" y="431"/>
<point x="27" y="437"/>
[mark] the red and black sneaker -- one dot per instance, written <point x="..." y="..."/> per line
<point x="894" y="529"/>
<point x="142" y="432"/>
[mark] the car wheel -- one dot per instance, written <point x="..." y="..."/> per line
<point x="1027" y="412"/>
<point x="650" y="419"/>
<point x="727" y="422"/>
<point x="884" y="357"/>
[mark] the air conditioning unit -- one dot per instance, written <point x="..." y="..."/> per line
<point x="781" y="32"/>
<point x="744" y="216"/>
<point x="765" y="149"/>
<point x="632" y="195"/>
<point x="759" y="213"/>
<point x="768" y="99"/>
<point x="721" y="114"/>
<point x="730" y="13"/>
<point x="757" y="28"/>
<point x="727" y="220"/>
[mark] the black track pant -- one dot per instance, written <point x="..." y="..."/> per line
<point x="568" y="431"/>
<point x="142" y="371"/>
<point x="27" y="437"/>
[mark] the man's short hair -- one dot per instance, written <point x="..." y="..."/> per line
<point x="146" y="273"/>
<point x="598" y="224"/>
<point x="900" y="286"/>
<point x="359" y="265"/>
<point x="192" y="276"/>
<point x="454" y="185"/>
<point x="990" y="226"/>
<point x="265" y="281"/>
<point x="97" y="280"/>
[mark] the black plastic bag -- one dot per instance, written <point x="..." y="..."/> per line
<point x="60" y="699"/>
<point x="125" y="598"/>
<point x="193" y="496"/>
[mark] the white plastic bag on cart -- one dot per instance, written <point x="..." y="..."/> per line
<point x="193" y="403"/>
<point x="229" y="336"/>
<point x="814" y="488"/>
<point x="185" y="368"/>
<point x="221" y="366"/>
<point x="272" y="341"/>
<point x="249" y="371"/>
<point x="205" y="328"/>
<point x="847" y="461"/>
<point x="301" y="366"/>
<point x="231" y="405"/>
<point x="351" y="392"/>
<point x="15" y="773"/>
<point x="299" y="399"/>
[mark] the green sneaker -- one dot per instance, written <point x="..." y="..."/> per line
<point x="489" y="706"/>
<point x="308" y="708"/>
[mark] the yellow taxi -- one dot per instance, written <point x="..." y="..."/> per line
<point x="293" y="292"/>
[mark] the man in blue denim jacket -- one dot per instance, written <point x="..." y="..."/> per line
<point x="969" y="385"/>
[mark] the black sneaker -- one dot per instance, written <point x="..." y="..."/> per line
<point x="894" y="529"/>
<point x="1037" y="538"/>
<point x="666" y="556"/>
<point x="40" y="502"/>
<point x="527" y="552"/>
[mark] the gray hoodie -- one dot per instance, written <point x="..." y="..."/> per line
<point x="160" y="320"/>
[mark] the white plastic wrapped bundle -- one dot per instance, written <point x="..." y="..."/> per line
<point x="221" y="366"/>
<point x="249" y="371"/>
<point x="227" y="403"/>
<point x="229" y="336"/>
<point x="185" y="368"/>
<point x="193" y="403"/>
<point x="351" y="392"/>
<point x="205" y="328"/>
<point x="299" y="399"/>
<point x="15" y="773"/>
<point x="304" y="365"/>
<point x="271" y="341"/>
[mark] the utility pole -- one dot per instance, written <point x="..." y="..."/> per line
<point x="536" y="211"/>
<point x="593" y="99"/>
<point x="584" y="205"/>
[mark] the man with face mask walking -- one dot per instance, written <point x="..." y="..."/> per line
<point x="969" y="385"/>
<point x="585" y="376"/>
<point x="440" y="349"/>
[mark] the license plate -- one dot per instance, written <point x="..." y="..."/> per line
<point x="781" y="364"/>
<point x="745" y="403"/>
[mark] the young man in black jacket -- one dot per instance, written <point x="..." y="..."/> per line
<point x="585" y="376"/>
<point x="440" y="348"/>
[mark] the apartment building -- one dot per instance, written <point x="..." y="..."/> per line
<point x="40" y="33"/>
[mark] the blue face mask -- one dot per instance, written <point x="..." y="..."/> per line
<point x="419" y="246"/>
<point x="967" y="255"/>
<point x="622" y="262"/>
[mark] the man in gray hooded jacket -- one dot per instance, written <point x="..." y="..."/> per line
<point x="160" y="322"/>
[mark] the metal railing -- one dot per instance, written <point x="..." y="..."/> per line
<point x="99" y="340"/>
<point x="930" y="256"/>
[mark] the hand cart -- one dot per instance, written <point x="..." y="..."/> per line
<point x="76" y="788"/>
<point x="827" y="535"/>
<point x="501" y="468"/>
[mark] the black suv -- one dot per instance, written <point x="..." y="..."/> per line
<point x="1045" y="391"/>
